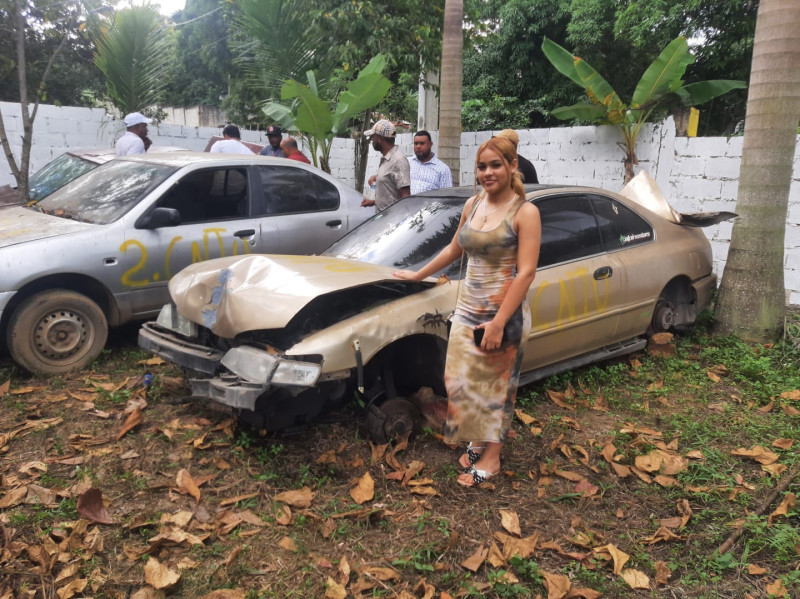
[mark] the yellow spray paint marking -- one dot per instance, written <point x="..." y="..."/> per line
<point x="126" y="276"/>
<point x="197" y="255"/>
<point x="570" y="297"/>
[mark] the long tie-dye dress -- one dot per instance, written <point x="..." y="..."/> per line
<point x="482" y="385"/>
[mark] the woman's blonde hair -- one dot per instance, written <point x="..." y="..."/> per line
<point x="508" y="154"/>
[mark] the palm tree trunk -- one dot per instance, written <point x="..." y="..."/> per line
<point x="752" y="296"/>
<point x="450" y="88"/>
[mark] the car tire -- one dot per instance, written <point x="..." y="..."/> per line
<point x="56" y="331"/>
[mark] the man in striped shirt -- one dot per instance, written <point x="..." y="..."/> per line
<point x="427" y="171"/>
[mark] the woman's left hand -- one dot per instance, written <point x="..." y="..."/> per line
<point x="492" y="336"/>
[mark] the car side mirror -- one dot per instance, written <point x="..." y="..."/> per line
<point x="160" y="217"/>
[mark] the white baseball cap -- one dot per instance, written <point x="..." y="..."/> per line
<point x="136" y="118"/>
<point x="383" y="128"/>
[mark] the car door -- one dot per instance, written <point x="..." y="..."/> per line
<point x="214" y="205"/>
<point x="630" y="239"/>
<point x="304" y="206"/>
<point x="577" y="287"/>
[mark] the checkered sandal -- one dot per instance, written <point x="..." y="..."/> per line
<point x="472" y="455"/>
<point x="478" y="476"/>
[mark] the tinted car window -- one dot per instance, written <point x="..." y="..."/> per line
<point x="405" y="235"/>
<point x="216" y="194"/>
<point x="106" y="193"/>
<point x="54" y="175"/>
<point x="569" y="230"/>
<point x="287" y="190"/>
<point x="619" y="225"/>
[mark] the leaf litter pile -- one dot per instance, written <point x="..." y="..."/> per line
<point x="656" y="476"/>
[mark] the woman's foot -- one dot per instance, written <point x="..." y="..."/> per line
<point x="473" y="476"/>
<point x="471" y="455"/>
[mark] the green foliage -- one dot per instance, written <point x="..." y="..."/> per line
<point x="134" y="56"/>
<point x="660" y="85"/>
<point x="311" y="117"/>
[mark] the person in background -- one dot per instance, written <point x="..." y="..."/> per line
<point x="427" y="171"/>
<point x="273" y="148"/>
<point x="525" y="166"/>
<point x="393" y="181"/>
<point x="135" y="140"/>
<point x="500" y="233"/>
<point x="231" y="143"/>
<point x="292" y="152"/>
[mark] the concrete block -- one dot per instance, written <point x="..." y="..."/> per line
<point x="794" y="297"/>
<point x="730" y="189"/>
<point x="793" y="216"/>
<point x="689" y="166"/>
<point x="583" y="135"/>
<point x="482" y="136"/>
<point x="791" y="279"/>
<point x="792" y="239"/>
<point x="723" y="168"/>
<point x="734" y="146"/>
<point x="717" y="205"/>
<point x="681" y="146"/>
<point x="607" y="135"/>
<point x="791" y="258"/>
<point x="719" y="249"/>
<point x="538" y="136"/>
<point x="11" y="109"/>
<point x="467" y="138"/>
<point x="707" y="147"/>
<point x="700" y="188"/>
<point x="725" y="230"/>
<point x="561" y="135"/>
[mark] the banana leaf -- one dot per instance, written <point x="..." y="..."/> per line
<point x="664" y="74"/>
<point x="581" y="111"/>
<point x="562" y="60"/>
<point x="597" y="88"/>
<point x="313" y="115"/>
<point x="695" y="94"/>
<point x="280" y="114"/>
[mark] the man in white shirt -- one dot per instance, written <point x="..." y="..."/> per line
<point x="231" y="143"/>
<point x="427" y="171"/>
<point x="135" y="140"/>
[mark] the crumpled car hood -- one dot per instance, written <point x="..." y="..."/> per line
<point x="237" y="294"/>
<point x="18" y="225"/>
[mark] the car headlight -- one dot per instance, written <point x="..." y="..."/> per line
<point x="170" y="319"/>
<point x="257" y="366"/>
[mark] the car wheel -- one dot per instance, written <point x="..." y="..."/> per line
<point x="664" y="317"/>
<point x="56" y="331"/>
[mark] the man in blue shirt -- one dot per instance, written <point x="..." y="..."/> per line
<point x="273" y="148"/>
<point x="427" y="171"/>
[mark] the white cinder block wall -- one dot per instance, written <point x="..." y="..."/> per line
<point x="695" y="174"/>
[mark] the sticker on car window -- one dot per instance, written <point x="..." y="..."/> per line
<point x="623" y="239"/>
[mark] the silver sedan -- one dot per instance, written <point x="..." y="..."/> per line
<point x="100" y="251"/>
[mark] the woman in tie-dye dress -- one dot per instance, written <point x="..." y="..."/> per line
<point x="500" y="233"/>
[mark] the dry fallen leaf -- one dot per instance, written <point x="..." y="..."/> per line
<point x="557" y="585"/>
<point x="133" y="420"/>
<point x="662" y="573"/>
<point x="636" y="579"/>
<point x="776" y="589"/>
<point x="754" y="570"/>
<point x="159" y="576"/>
<point x="90" y="506"/>
<point x="288" y="544"/>
<point x="333" y="590"/>
<point x="757" y="453"/>
<point x="474" y="561"/>
<point x="786" y="505"/>
<point x="187" y="485"/>
<point x="364" y="490"/>
<point x="300" y="498"/>
<point x="620" y="558"/>
<point x="510" y="521"/>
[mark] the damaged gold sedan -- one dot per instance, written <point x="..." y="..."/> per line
<point x="285" y="338"/>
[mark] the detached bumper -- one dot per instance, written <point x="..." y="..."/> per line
<point x="165" y="344"/>
<point x="246" y="373"/>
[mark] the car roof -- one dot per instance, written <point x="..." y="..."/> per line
<point x="180" y="159"/>
<point x="103" y="155"/>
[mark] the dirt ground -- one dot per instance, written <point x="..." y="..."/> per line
<point x="618" y="481"/>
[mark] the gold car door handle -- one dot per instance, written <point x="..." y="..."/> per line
<point x="604" y="272"/>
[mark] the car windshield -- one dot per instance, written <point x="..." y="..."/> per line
<point x="106" y="193"/>
<point x="54" y="175"/>
<point x="407" y="234"/>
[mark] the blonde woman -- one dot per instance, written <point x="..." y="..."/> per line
<point x="500" y="233"/>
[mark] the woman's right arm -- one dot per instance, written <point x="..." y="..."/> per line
<point x="447" y="256"/>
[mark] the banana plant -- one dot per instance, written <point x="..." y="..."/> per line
<point x="661" y="84"/>
<point x="311" y="117"/>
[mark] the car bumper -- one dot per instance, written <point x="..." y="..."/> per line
<point x="704" y="289"/>
<point x="5" y="297"/>
<point x="247" y="372"/>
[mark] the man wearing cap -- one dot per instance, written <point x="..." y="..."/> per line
<point x="524" y="165"/>
<point x="393" y="182"/>
<point x="273" y="148"/>
<point x="135" y="140"/>
<point x="230" y="144"/>
<point x="427" y="171"/>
